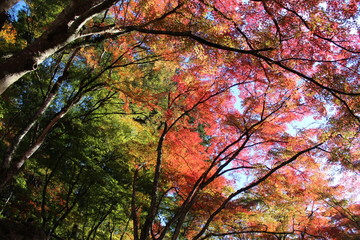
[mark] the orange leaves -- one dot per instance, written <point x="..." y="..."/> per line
<point x="8" y="38"/>
<point x="91" y="57"/>
<point x="8" y="34"/>
<point x="305" y="55"/>
<point x="221" y="82"/>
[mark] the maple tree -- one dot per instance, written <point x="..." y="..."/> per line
<point x="180" y="119"/>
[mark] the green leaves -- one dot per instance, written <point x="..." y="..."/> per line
<point x="126" y="124"/>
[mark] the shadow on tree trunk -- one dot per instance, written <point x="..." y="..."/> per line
<point x="11" y="230"/>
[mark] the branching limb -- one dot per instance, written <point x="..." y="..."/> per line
<point x="250" y="186"/>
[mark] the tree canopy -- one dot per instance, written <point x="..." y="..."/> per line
<point x="180" y="119"/>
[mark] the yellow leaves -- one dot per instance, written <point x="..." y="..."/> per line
<point x="8" y="38"/>
<point x="130" y="128"/>
<point x="90" y="55"/>
<point x="200" y="53"/>
<point x="165" y="66"/>
<point x="137" y="138"/>
<point x="8" y="34"/>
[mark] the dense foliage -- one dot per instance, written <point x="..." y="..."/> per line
<point x="180" y="119"/>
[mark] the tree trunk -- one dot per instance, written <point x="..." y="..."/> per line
<point x="5" y="5"/>
<point x="10" y="230"/>
<point x="63" y="30"/>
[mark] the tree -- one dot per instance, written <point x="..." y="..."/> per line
<point x="204" y="94"/>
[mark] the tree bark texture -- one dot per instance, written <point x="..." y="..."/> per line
<point x="63" y="30"/>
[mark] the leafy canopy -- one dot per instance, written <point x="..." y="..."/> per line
<point x="194" y="119"/>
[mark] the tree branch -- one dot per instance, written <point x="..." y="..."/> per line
<point x="250" y="186"/>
